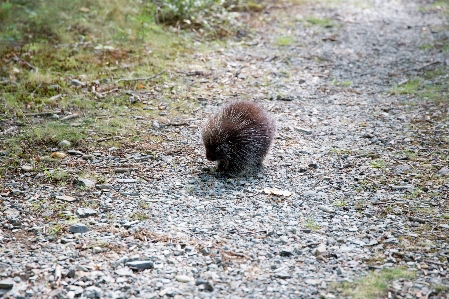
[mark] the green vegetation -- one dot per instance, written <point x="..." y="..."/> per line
<point x="285" y="41"/>
<point x="312" y="225"/>
<point x="433" y="86"/>
<point x="375" y="284"/>
<point x="320" y="22"/>
<point x="92" y="60"/>
<point x="378" y="163"/>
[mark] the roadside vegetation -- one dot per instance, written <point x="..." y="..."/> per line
<point x="97" y="73"/>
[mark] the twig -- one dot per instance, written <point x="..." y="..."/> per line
<point x="141" y="79"/>
<point x="34" y="91"/>
<point x="49" y="113"/>
<point x="435" y="262"/>
<point x="18" y="59"/>
<point x="236" y="254"/>
<point x="426" y="65"/>
<point x="71" y="116"/>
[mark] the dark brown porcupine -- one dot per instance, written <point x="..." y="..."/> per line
<point x="238" y="137"/>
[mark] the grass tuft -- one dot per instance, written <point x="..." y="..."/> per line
<point x="375" y="284"/>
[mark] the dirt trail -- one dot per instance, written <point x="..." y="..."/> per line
<point x="359" y="93"/>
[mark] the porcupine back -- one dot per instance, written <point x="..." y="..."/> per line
<point x="238" y="137"/>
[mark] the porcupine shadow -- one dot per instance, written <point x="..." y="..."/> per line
<point x="238" y="138"/>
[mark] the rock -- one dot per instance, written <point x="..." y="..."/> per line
<point x="321" y="250"/>
<point x="85" y="183"/>
<point x="92" y="292"/>
<point x="416" y="219"/>
<point x="78" y="228"/>
<point x="12" y="213"/>
<point x="312" y="281"/>
<point x="103" y="186"/>
<point x="286" y="98"/>
<point x="402" y="169"/>
<point x="124" y="272"/>
<point x="443" y="171"/>
<point x="66" y="198"/>
<point x="286" y="251"/>
<point x="183" y="278"/>
<point x="85" y="212"/>
<point x="326" y="209"/>
<point x="6" y="284"/>
<point x="75" y="153"/>
<point x="170" y="292"/>
<point x="76" y="82"/>
<point x="283" y="275"/>
<point x="304" y="130"/>
<point x="403" y="187"/>
<point x="64" y="144"/>
<point x="27" y="168"/>
<point x="97" y="249"/>
<point x="209" y="286"/>
<point x="140" y="265"/>
<point x="126" y="181"/>
<point x="391" y="241"/>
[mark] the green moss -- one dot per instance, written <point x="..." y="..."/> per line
<point x="375" y="284"/>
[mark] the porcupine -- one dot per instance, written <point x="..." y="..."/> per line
<point x="238" y="137"/>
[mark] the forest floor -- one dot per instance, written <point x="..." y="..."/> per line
<point x="112" y="197"/>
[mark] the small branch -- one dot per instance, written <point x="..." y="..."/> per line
<point x="435" y="263"/>
<point x="18" y="59"/>
<point x="49" y="113"/>
<point x="426" y="65"/>
<point x="232" y="253"/>
<point x="141" y="79"/>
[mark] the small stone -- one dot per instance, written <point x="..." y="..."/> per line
<point x="391" y="241"/>
<point x="209" y="286"/>
<point x="85" y="212"/>
<point x="97" y="250"/>
<point x="445" y="226"/>
<point x="78" y="228"/>
<point x="403" y="187"/>
<point x="286" y="252"/>
<point x="27" y="168"/>
<point x="286" y="98"/>
<point x="140" y="265"/>
<point x="284" y="239"/>
<point x="321" y="250"/>
<point x="75" y="153"/>
<point x="402" y="169"/>
<point x="283" y="275"/>
<point x="443" y="171"/>
<point x="64" y="144"/>
<point x="312" y="281"/>
<point x="170" y="292"/>
<point x="85" y="183"/>
<point x="326" y="209"/>
<point x="126" y="180"/>
<point x="310" y="193"/>
<point x="304" y="130"/>
<point x="6" y="284"/>
<point x="76" y="82"/>
<point x="92" y="292"/>
<point x="66" y="198"/>
<point x="416" y="219"/>
<point x="183" y="278"/>
<point x="124" y="272"/>
<point x="103" y="186"/>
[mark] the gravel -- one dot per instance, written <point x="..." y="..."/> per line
<point x="340" y="186"/>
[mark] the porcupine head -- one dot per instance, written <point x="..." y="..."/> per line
<point x="238" y="137"/>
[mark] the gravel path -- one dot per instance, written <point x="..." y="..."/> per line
<point x="366" y="173"/>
